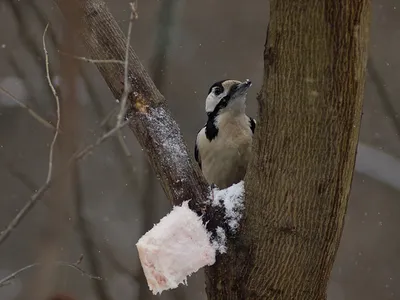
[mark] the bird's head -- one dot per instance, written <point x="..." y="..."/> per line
<point x="227" y="95"/>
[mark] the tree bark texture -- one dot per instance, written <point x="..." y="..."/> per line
<point x="299" y="179"/>
<point x="151" y="121"/>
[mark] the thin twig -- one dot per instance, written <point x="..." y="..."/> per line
<point x="127" y="88"/>
<point x="124" y="146"/>
<point x="17" y="219"/>
<point x="134" y="8"/>
<point x="94" y="262"/>
<point x="6" y="280"/>
<point x="87" y="150"/>
<point x="93" y="61"/>
<point x="77" y="156"/>
<point x="30" y="110"/>
<point x="108" y="116"/>
<point x="148" y="197"/>
<point x="124" y="98"/>
<point x="120" y="136"/>
<point x="126" y="158"/>
<point x="36" y="196"/>
<point x="53" y="142"/>
<point x="23" y="25"/>
<point x="101" y="36"/>
<point x="80" y="259"/>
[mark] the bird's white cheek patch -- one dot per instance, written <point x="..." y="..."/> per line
<point x="211" y="102"/>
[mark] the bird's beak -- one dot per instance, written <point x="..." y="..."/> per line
<point x="243" y="87"/>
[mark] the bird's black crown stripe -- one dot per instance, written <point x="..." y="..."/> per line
<point x="211" y="129"/>
<point x="218" y="84"/>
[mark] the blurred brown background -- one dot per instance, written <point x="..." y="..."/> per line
<point x="120" y="198"/>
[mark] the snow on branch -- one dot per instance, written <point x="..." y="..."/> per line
<point x="180" y="244"/>
<point x="172" y="141"/>
<point x="151" y="121"/>
<point x="232" y="201"/>
<point x="192" y="234"/>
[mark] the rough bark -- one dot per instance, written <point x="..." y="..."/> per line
<point x="151" y="121"/>
<point x="299" y="180"/>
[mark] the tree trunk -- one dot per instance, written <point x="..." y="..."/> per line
<point x="299" y="179"/>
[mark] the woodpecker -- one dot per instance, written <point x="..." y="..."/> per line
<point x="223" y="145"/>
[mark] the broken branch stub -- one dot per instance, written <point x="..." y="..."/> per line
<point x="151" y="121"/>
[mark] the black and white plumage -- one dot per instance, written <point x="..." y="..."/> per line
<point x="223" y="145"/>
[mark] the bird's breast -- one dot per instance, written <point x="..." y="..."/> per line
<point x="225" y="158"/>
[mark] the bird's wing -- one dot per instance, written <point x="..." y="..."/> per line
<point x="197" y="155"/>
<point x="252" y="124"/>
<point x="196" y="151"/>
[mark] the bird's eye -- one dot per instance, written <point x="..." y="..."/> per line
<point x="217" y="90"/>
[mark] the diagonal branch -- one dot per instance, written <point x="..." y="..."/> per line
<point x="38" y="195"/>
<point x="30" y="110"/>
<point x="53" y="142"/>
<point x="93" y="61"/>
<point x="151" y="121"/>
<point x="6" y="280"/>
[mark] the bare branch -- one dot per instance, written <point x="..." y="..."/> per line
<point x="127" y="88"/>
<point x="148" y="197"/>
<point x="30" y="110"/>
<point x="124" y="146"/>
<point x="77" y="156"/>
<point x="21" y="214"/>
<point x="17" y="219"/>
<point x="151" y="121"/>
<point x="53" y="142"/>
<point x="87" y="150"/>
<point x="78" y="262"/>
<point x="134" y="8"/>
<point x="23" y="25"/>
<point x="108" y="116"/>
<point x="6" y="280"/>
<point x="93" y="61"/>
<point x="125" y="62"/>
<point x="36" y="196"/>
<point x="94" y="262"/>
